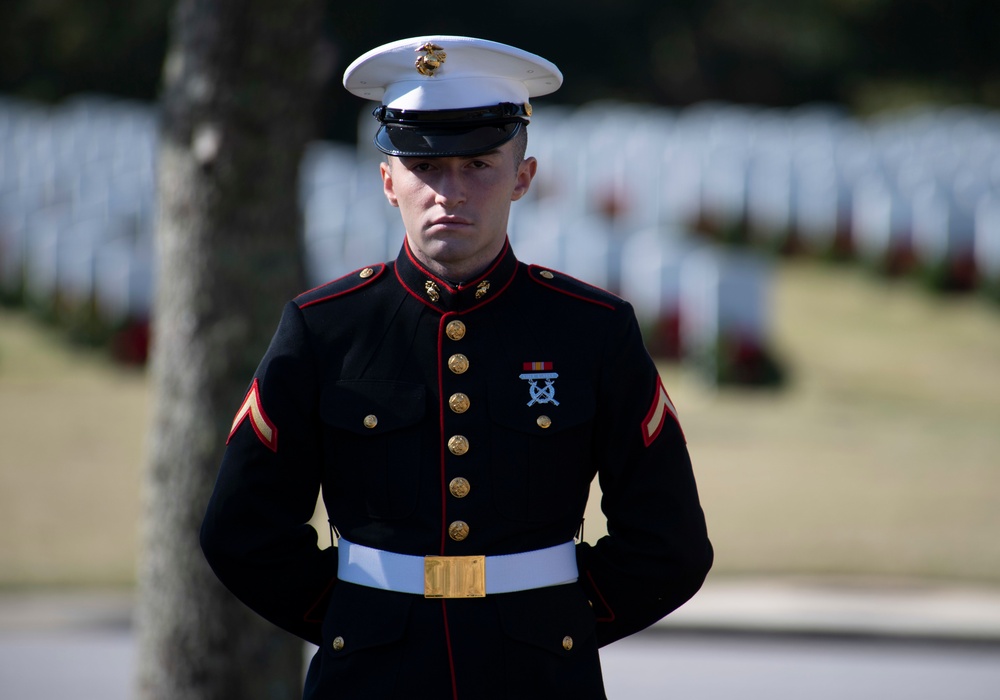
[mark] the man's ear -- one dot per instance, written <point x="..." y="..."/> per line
<point x="386" y="170"/>
<point x="525" y="173"/>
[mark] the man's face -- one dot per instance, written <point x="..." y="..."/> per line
<point x="455" y="208"/>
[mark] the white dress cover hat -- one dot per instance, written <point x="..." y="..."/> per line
<point x="449" y="95"/>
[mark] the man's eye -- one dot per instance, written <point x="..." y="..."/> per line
<point x="479" y="164"/>
<point x="421" y="167"/>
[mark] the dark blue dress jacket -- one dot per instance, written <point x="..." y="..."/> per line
<point x="365" y="383"/>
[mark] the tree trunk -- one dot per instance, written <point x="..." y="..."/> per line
<point x="240" y="83"/>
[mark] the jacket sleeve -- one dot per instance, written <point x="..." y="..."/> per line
<point x="256" y="534"/>
<point x="657" y="553"/>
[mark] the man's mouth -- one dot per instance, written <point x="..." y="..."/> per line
<point x="450" y="221"/>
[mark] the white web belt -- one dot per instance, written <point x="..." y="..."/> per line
<point x="456" y="577"/>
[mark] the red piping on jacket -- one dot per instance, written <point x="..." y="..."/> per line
<point x="445" y="283"/>
<point x="447" y="287"/>
<point x="451" y="658"/>
<point x="441" y="436"/>
<point x="379" y="269"/>
<point x="444" y="497"/>
<point x="308" y="617"/>
<point x="563" y="291"/>
<point x="603" y="601"/>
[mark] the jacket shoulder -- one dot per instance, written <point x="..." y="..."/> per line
<point x="342" y="286"/>
<point x="573" y="288"/>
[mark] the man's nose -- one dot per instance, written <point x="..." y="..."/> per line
<point x="450" y="190"/>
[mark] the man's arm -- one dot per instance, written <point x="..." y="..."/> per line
<point x="255" y="534"/>
<point x="657" y="552"/>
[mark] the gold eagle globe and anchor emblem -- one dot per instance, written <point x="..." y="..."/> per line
<point x="431" y="60"/>
<point x="432" y="290"/>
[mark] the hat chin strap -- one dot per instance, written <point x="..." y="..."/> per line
<point x="407" y="141"/>
<point x="455" y="118"/>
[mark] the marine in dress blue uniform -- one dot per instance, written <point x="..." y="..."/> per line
<point x="455" y="427"/>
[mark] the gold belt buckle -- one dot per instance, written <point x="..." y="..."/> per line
<point x="455" y="577"/>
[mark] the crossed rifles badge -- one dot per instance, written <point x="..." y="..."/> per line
<point x="535" y="372"/>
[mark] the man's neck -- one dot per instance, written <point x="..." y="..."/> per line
<point x="459" y="273"/>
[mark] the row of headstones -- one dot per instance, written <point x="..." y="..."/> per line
<point x="77" y="196"/>
<point x="77" y="206"/>
<point x="76" y="222"/>
<point x="921" y="191"/>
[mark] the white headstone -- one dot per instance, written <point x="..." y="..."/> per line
<point x="769" y="198"/>
<point x="592" y="252"/>
<point x="725" y="311"/>
<point x="987" y="241"/>
<point x="880" y="222"/>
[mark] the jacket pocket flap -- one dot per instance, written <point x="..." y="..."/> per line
<point x="373" y="407"/>
<point x="362" y="618"/>
<point x="539" y="409"/>
<point x="550" y="618"/>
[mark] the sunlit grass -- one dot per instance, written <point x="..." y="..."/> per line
<point x="883" y="454"/>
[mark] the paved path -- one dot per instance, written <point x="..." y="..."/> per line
<point x="776" y="667"/>
<point x="774" y="640"/>
<point x="846" y="608"/>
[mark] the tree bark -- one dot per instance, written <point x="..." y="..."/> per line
<point x="240" y="83"/>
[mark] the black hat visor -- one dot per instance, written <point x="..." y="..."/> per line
<point x="447" y="132"/>
<point x="427" y="141"/>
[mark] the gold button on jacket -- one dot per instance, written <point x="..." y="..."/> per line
<point x="455" y="330"/>
<point x="459" y="487"/>
<point x="458" y="363"/>
<point x="458" y="530"/>
<point x="459" y="402"/>
<point x="458" y="445"/>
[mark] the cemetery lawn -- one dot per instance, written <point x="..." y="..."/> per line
<point x="71" y="440"/>
<point x="880" y="458"/>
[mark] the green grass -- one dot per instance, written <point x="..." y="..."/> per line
<point x="71" y="431"/>
<point x="880" y="458"/>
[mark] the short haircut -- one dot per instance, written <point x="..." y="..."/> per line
<point x="520" y="142"/>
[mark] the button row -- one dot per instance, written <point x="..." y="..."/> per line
<point x="458" y="444"/>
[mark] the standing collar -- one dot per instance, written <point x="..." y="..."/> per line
<point x="446" y="296"/>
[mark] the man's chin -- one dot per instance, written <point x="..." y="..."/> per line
<point x="449" y="248"/>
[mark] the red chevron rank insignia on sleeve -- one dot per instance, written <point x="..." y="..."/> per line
<point x="662" y="407"/>
<point x="253" y="409"/>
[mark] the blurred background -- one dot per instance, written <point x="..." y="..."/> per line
<point x="801" y="199"/>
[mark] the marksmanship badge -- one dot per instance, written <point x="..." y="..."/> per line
<point x="535" y="372"/>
